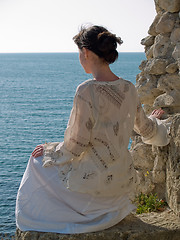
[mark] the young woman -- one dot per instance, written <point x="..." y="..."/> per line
<point x="83" y="184"/>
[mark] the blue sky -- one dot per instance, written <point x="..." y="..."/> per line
<point x="49" y="25"/>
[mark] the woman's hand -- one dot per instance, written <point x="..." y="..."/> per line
<point x="157" y="113"/>
<point x="38" y="151"/>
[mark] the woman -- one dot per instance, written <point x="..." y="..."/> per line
<point x="84" y="183"/>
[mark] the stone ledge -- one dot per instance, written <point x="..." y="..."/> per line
<point x="151" y="226"/>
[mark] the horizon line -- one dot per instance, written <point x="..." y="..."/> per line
<point x="63" y="52"/>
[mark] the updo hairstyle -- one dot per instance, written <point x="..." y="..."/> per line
<point x="100" y="41"/>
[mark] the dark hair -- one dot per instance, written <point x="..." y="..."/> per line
<point x="100" y="41"/>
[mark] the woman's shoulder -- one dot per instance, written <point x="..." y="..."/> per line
<point x="86" y="82"/>
<point x="84" y="85"/>
<point x="88" y="85"/>
<point x="128" y="84"/>
<point x="125" y="81"/>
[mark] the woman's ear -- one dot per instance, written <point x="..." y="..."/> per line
<point x="85" y="52"/>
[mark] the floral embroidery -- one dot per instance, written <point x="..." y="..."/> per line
<point x="89" y="124"/>
<point x="89" y="175"/>
<point x="112" y="157"/>
<point x="109" y="179"/>
<point x="99" y="151"/>
<point x="75" y="154"/>
<point x="76" y="147"/>
<point x="116" y="128"/>
<point x="78" y="143"/>
<point x="99" y="162"/>
<point x="63" y="172"/>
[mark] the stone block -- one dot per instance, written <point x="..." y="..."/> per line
<point x="175" y="35"/>
<point x="152" y="28"/>
<point x="165" y="23"/>
<point x="171" y="99"/>
<point x="147" y="88"/>
<point x="148" y="41"/>
<point x="162" y="46"/>
<point x="172" y="68"/>
<point x="176" y="52"/>
<point x="142" y="156"/>
<point x="169" y="5"/>
<point x="156" y="66"/>
<point x="148" y="109"/>
<point x="158" y="176"/>
<point x="143" y="65"/>
<point x="146" y="186"/>
<point x="168" y="82"/>
<point x="173" y="167"/>
<point x="160" y="159"/>
<point x="149" y="52"/>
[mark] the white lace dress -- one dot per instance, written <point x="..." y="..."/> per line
<point x="84" y="183"/>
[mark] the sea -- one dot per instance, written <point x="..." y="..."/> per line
<point x="36" y="96"/>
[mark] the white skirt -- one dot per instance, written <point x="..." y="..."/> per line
<point x="44" y="204"/>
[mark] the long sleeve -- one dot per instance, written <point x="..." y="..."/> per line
<point x="152" y="130"/>
<point x="77" y="135"/>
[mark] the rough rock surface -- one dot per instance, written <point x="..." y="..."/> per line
<point x="168" y="5"/>
<point x="173" y="168"/>
<point x="158" y="168"/>
<point x="156" y="226"/>
<point x="161" y="71"/>
<point x="158" y="86"/>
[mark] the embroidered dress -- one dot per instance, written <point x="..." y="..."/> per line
<point x="84" y="183"/>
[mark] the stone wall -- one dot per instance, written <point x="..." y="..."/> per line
<point x="158" y="85"/>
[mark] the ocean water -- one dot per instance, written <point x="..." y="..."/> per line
<point x="36" y="95"/>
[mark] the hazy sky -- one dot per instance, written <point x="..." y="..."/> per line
<point x="49" y="25"/>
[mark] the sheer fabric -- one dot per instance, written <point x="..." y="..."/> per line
<point x="94" y="156"/>
<point x="84" y="183"/>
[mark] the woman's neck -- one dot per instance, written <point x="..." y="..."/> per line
<point x="103" y="73"/>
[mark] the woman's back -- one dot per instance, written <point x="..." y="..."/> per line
<point x="107" y="113"/>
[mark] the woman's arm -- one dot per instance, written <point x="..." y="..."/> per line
<point x="77" y="135"/>
<point x="152" y="130"/>
<point x="78" y="132"/>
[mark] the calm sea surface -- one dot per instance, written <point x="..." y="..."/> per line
<point x="36" y="95"/>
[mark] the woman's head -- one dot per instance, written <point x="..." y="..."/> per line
<point x="100" y="41"/>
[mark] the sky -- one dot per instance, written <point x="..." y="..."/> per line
<point x="49" y="25"/>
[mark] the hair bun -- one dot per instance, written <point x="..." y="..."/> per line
<point x="107" y="44"/>
<point x="108" y="41"/>
<point x="100" y="41"/>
